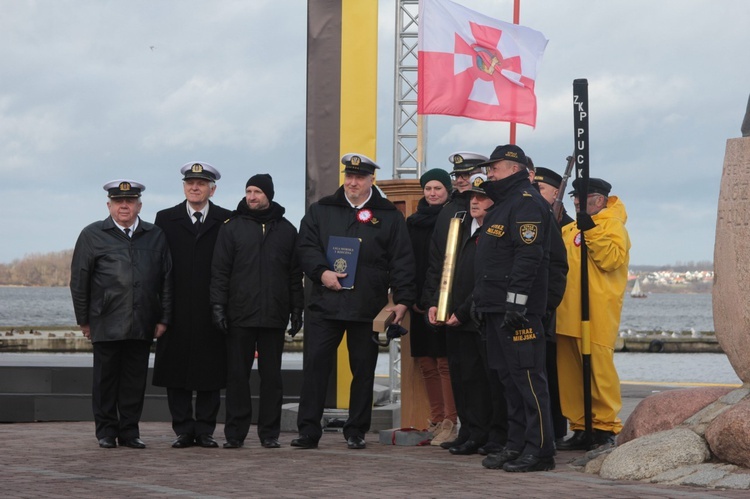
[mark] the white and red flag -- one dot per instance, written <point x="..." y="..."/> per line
<point x="475" y="66"/>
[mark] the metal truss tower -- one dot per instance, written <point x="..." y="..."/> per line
<point x="408" y="130"/>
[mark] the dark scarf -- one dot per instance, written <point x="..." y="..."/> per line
<point x="498" y="190"/>
<point x="426" y="214"/>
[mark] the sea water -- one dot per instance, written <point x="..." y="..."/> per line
<point x="41" y="307"/>
<point x="52" y="307"/>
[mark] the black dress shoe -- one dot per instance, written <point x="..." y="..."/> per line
<point x="108" y="442"/>
<point x="496" y="461"/>
<point x="356" y="442"/>
<point x="527" y="463"/>
<point x="206" y="440"/>
<point x="305" y="442"/>
<point x="270" y="443"/>
<point x="232" y="443"/>
<point x="133" y="443"/>
<point x="490" y="448"/>
<point x="579" y="441"/>
<point x="453" y="443"/>
<point x="603" y="437"/>
<point x="183" y="441"/>
<point x="466" y="449"/>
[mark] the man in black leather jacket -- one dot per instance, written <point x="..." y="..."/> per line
<point x="121" y="286"/>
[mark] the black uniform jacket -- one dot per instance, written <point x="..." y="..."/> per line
<point x="255" y="272"/>
<point x="191" y="355"/>
<point x="513" y="248"/>
<point x="385" y="257"/>
<point x="459" y="202"/>
<point x="121" y="286"/>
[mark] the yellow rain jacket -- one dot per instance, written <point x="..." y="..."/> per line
<point x="608" y="248"/>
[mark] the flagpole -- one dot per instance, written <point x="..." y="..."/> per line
<point x="516" y="20"/>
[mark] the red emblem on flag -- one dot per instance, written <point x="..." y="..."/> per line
<point x="475" y="66"/>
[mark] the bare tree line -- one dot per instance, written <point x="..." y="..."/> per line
<point x="37" y="269"/>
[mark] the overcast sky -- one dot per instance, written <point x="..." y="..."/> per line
<point x="97" y="90"/>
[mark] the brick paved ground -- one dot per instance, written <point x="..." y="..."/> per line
<point x="63" y="460"/>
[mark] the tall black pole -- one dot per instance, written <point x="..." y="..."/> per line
<point x="581" y="120"/>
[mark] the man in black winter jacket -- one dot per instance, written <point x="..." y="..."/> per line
<point x="355" y="210"/>
<point x="511" y="291"/>
<point x="483" y="420"/>
<point x="256" y="285"/>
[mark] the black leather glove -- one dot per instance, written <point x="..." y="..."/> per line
<point x="584" y="221"/>
<point x="296" y="319"/>
<point x="515" y="317"/>
<point x="219" y="318"/>
<point x="477" y="318"/>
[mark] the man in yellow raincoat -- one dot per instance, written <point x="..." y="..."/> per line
<point x="603" y="227"/>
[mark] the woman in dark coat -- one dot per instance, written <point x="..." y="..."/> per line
<point x="428" y="343"/>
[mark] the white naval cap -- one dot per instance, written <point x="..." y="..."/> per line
<point x="200" y="169"/>
<point x="464" y="161"/>
<point x="358" y="164"/>
<point x="477" y="183"/>
<point x="124" y="188"/>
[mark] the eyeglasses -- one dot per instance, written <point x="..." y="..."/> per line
<point x="464" y="175"/>
<point x="589" y="196"/>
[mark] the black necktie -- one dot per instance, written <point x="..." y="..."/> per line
<point x="198" y="215"/>
<point x="127" y="231"/>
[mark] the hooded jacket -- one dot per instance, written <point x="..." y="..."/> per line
<point x="385" y="260"/>
<point x="608" y="247"/>
<point x="255" y="273"/>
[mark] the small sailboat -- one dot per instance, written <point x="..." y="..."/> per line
<point x="636" y="291"/>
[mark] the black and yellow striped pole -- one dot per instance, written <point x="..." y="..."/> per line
<point x="342" y="49"/>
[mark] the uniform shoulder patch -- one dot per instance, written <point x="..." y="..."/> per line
<point x="527" y="194"/>
<point x="528" y="232"/>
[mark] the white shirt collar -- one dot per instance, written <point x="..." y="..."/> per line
<point x="132" y="227"/>
<point x="474" y="225"/>
<point x="190" y="209"/>
<point x="358" y="206"/>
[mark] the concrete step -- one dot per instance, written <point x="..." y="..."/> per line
<point x="58" y="388"/>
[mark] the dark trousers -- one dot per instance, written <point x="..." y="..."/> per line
<point x="241" y="346"/>
<point x="207" y="405"/>
<point x="499" y="422"/>
<point x="521" y="369"/>
<point x="119" y="385"/>
<point x="322" y="338"/>
<point x="471" y="389"/>
<point x="559" y="422"/>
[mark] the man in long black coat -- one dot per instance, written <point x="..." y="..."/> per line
<point x="355" y="210"/>
<point x="192" y="356"/>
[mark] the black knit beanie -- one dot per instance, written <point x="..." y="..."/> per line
<point x="264" y="182"/>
